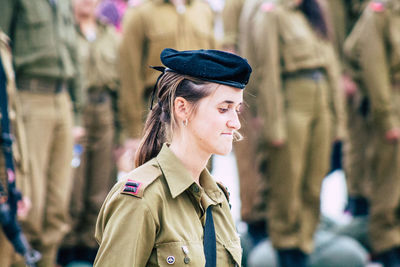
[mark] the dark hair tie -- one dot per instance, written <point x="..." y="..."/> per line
<point x="162" y="70"/>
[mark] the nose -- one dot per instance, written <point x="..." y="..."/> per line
<point x="234" y="122"/>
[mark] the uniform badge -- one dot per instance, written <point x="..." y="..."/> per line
<point x="131" y="187"/>
<point x="170" y="259"/>
<point x="377" y="6"/>
<point x="267" y="6"/>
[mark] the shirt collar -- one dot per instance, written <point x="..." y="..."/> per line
<point x="179" y="178"/>
<point x="188" y="2"/>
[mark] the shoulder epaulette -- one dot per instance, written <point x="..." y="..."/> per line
<point x="135" y="3"/>
<point x="377" y="6"/>
<point x="139" y="179"/>
<point x="224" y="190"/>
<point x="267" y="6"/>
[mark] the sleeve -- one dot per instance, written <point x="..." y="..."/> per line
<point x="8" y="8"/>
<point x="337" y="98"/>
<point x="76" y="91"/>
<point x="131" y="55"/>
<point x="265" y="60"/>
<point x="125" y="231"/>
<point x="375" y="69"/>
<point x="230" y="15"/>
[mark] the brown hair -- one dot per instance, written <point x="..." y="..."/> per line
<point x="161" y="121"/>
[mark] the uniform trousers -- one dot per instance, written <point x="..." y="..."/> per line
<point x="48" y="124"/>
<point x="93" y="178"/>
<point x="296" y="169"/>
<point x="384" y="230"/>
<point x="357" y="148"/>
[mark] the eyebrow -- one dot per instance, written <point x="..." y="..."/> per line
<point x="230" y="102"/>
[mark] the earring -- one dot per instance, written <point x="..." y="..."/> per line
<point x="185" y="122"/>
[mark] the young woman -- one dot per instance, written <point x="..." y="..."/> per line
<point x="170" y="210"/>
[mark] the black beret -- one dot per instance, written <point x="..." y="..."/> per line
<point x="209" y="65"/>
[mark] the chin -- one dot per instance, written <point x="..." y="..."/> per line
<point x="223" y="151"/>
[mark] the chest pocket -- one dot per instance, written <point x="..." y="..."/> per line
<point x="180" y="254"/>
<point x="297" y="54"/>
<point x="229" y="254"/>
<point x="34" y="25"/>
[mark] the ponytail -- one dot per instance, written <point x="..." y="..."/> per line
<point x="315" y="15"/>
<point x="153" y="137"/>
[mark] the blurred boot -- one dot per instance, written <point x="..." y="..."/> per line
<point x="292" y="258"/>
<point x="389" y="258"/>
<point x="358" y="206"/>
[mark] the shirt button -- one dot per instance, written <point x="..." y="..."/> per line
<point x="186" y="260"/>
<point x="196" y="188"/>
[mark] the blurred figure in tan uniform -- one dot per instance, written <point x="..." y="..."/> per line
<point x="373" y="50"/>
<point x="357" y="151"/>
<point x="93" y="177"/>
<point x="298" y="97"/>
<point x="44" y="55"/>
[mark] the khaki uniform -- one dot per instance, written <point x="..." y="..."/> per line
<point x="43" y="38"/>
<point x="373" y="48"/>
<point x="93" y="178"/>
<point x="357" y="152"/>
<point x="164" y="218"/>
<point x="148" y="29"/>
<point x="20" y="154"/>
<point x="298" y="97"/>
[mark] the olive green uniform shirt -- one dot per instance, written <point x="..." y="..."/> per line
<point x="148" y="29"/>
<point x="280" y="42"/>
<point x="164" y="218"/>
<point x="98" y="61"/>
<point x="373" y="49"/>
<point x="43" y="40"/>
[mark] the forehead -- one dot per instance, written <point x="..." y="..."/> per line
<point x="227" y="93"/>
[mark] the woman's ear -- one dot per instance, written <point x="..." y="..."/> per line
<point x="181" y="108"/>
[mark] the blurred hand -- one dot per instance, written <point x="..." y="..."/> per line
<point x="393" y="135"/>
<point x="278" y="143"/>
<point x="23" y="207"/>
<point x="230" y="49"/>
<point x="78" y="133"/>
<point x="132" y="144"/>
<point x="125" y="161"/>
<point x="350" y="87"/>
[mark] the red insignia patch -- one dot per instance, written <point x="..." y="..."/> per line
<point x="267" y="6"/>
<point x="132" y="187"/>
<point x="377" y="6"/>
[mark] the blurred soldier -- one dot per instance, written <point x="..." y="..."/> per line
<point x="373" y="49"/>
<point x="147" y="29"/>
<point x="43" y="45"/>
<point x="7" y="255"/>
<point x="357" y="152"/>
<point x="298" y="98"/>
<point x="97" y="53"/>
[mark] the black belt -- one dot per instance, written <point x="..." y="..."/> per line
<point x="98" y="97"/>
<point x="43" y="86"/>
<point x="313" y="74"/>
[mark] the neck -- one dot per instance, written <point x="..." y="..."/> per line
<point x="178" y="2"/>
<point x="87" y="23"/>
<point x="192" y="158"/>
